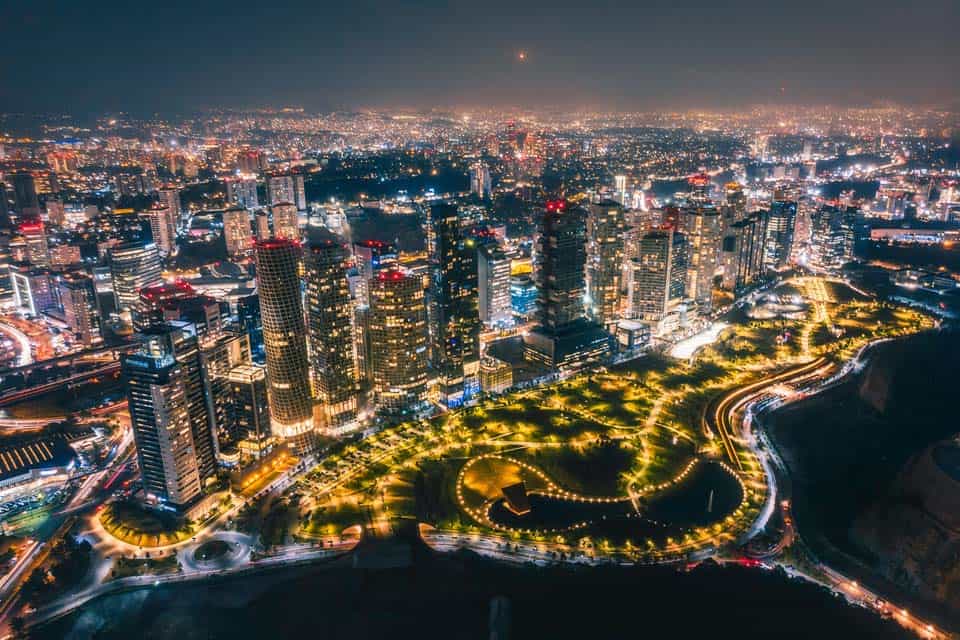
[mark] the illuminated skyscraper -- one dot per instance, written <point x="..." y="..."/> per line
<point x="702" y="225"/>
<point x="480" y="183"/>
<point x="493" y="280"/>
<point x="133" y="266"/>
<point x="170" y="198"/>
<point x="80" y="310"/>
<point x="284" y="337"/>
<point x="370" y="257"/>
<point x="742" y="252"/>
<point x="452" y="306"/>
<point x="163" y="227"/>
<point x="606" y="226"/>
<point x="286" y="221"/>
<point x="237" y="233"/>
<point x="171" y="424"/>
<point x="781" y="223"/>
<point x="659" y="275"/>
<point x="242" y="191"/>
<point x="287" y="188"/>
<point x="564" y="338"/>
<point x="35" y="235"/>
<point x="330" y="326"/>
<point x="398" y="341"/>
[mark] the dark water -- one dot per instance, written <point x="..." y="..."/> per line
<point x="448" y="597"/>
<point x="667" y="514"/>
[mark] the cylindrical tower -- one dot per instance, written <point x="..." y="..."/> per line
<point x="284" y="338"/>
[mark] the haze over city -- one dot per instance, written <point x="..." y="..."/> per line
<point x="179" y="56"/>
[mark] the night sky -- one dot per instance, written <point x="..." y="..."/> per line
<point x="110" y="55"/>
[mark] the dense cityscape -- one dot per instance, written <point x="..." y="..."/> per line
<point x="478" y="372"/>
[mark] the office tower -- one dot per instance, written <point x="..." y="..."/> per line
<point x="242" y="191"/>
<point x="493" y="280"/>
<point x="287" y="188"/>
<point x="237" y="233"/>
<point x="453" y="316"/>
<point x="35" y="236"/>
<point x="702" y="225"/>
<point x="33" y="289"/>
<point x="299" y="193"/>
<point x="163" y="227"/>
<point x="261" y="225"/>
<point x="78" y="299"/>
<point x="659" y="275"/>
<point x="370" y="256"/>
<point x="25" y="200"/>
<point x="170" y="198"/>
<point x="523" y="296"/>
<point x="248" y="319"/>
<point x="330" y="330"/>
<point x="219" y="354"/>
<point x="734" y="207"/>
<point x="248" y="411"/>
<point x="159" y="398"/>
<point x="480" y="183"/>
<point x="6" y="286"/>
<point x="286" y="221"/>
<point x="742" y="252"/>
<point x="398" y="341"/>
<point x="284" y="338"/>
<point x="133" y="266"/>
<point x="606" y="225"/>
<point x="834" y="236"/>
<point x="781" y="222"/>
<point x="563" y="338"/>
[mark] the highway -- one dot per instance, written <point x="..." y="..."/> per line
<point x="24" y="394"/>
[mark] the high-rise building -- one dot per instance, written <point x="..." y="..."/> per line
<point x="261" y="225"/>
<point x="286" y="221"/>
<point x="242" y="191"/>
<point x="170" y="198"/>
<point x="78" y="299"/>
<point x="5" y="221"/>
<point x="163" y="227"/>
<point x="237" y="233"/>
<point x="564" y="338"/>
<point x="248" y="318"/>
<point x="330" y="330"/>
<point x="702" y="225"/>
<point x="284" y="338"/>
<point x="781" y="223"/>
<point x="248" y="411"/>
<point x="523" y="296"/>
<point x="398" y="341"/>
<point x="742" y="252"/>
<point x="171" y="424"/>
<point x="480" y="183"/>
<point x="56" y="212"/>
<point x="251" y="161"/>
<point x="25" y="200"/>
<point x="287" y="188"/>
<point x="35" y="235"/>
<point x="33" y="289"/>
<point x="493" y="280"/>
<point x="454" y="319"/>
<point x="370" y="256"/>
<point x="606" y="225"/>
<point x="659" y="275"/>
<point x="133" y="266"/>
<point x="833" y="239"/>
<point x="219" y="354"/>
